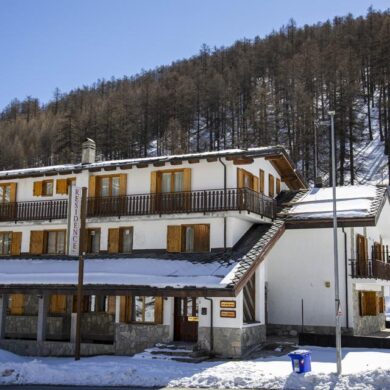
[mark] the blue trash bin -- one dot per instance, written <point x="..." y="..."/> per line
<point x="301" y="361"/>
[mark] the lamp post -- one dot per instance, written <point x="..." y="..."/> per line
<point x="335" y="249"/>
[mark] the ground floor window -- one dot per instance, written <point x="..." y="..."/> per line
<point x="58" y="304"/>
<point x="93" y="240"/>
<point x="188" y="238"/>
<point x="249" y="300"/>
<point x="16" y="304"/>
<point x="55" y="242"/>
<point x="120" y="240"/>
<point x="5" y="243"/>
<point x="141" y="309"/>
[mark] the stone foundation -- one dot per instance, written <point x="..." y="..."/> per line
<point x="134" y="338"/>
<point x="293" y="330"/>
<point x="97" y="327"/>
<point x="231" y="342"/>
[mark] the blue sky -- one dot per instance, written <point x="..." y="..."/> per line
<point x="69" y="43"/>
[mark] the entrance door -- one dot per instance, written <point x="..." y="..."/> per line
<point x="186" y="319"/>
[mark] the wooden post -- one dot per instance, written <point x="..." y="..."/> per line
<point x="81" y="273"/>
<point x="3" y="314"/>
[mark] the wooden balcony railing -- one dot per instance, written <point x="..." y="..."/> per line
<point x="34" y="211"/>
<point x="203" y="201"/>
<point x="370" y="269"/>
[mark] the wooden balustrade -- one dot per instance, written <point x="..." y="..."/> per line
<point x="201" y="201"/>
<point x="370" y="269"/>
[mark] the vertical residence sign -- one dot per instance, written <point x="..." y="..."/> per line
<point x="74" y="220"/>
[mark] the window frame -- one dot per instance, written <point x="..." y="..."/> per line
<point x="46" y="241"/>
<point x="172" y="172"/>
<point x="4" y="186"/>
<point x="121" y="234"/>
<point x="110" y="187"/>
<point x="89" y="243"/>
<point x="44" y="188"/>
<point x="9" y="233"/>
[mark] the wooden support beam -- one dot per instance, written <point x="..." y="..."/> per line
<point x="110" y="168"/>
<point x="95" y="169"/>
<point x="176" y="162"/>
<point x="243" y="161"/>
<point x="142" y="165"/>
<point x="127" y="166"/>
<point x="193" y="160"/>
<point x="212" y="159"/>
<point x="159" y="164"/>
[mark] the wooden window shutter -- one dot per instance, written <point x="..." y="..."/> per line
<point x="381" y="305"/>
<point x="17" y="304"/>
<point x="201" y="238"/>
<point x="61" y="186"/>
<point x="255" y="184"/>
<point x="122" y="184"/>
<point x="153" y="182"/>
<point x="277" y="186"/>
<point x="113" y="240"/>
<point x="187" y="179"/>
<point x="125" y="309"/>
<point x="58" y="304"/>
<point x="37" y="188"/>
<point x="158" y="310"/>
<point x="92" y="187"/>
<point x="368" y="303"/>
<point x="12" y="192"/>
<point x="261" y="177"/>
<point x="36" y="242"/>
<point x="111" y="304"/>
<point x="362" y="304"/>
<point x="240" y="178"/>
<point x="271" y="185"/>
<point x="16" y="243"/>
<point x="174" y="238"/>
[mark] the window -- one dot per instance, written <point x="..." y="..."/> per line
<point x="93" y="240"/>
<point x="246" y="179"/>
<point x="62" y="185"/>
<point x="7" y="192"/>
<point x="55" y="242"/>
<point x="58" y="304"/>
<point x="188" y="238"/>
<point x="112" y="185"/>
<point x="271" y="185"/>
<point x="278" y="185"/>
<point x="16" y="304"/>
<point x="261" y="177"/>
<point x="5" y="243"/>
<point x="249" y="300"/>
<point x="47" y="187"/>
<point x="120" y="240"/>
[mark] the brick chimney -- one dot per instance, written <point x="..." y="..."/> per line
<point x="88" y="151"/>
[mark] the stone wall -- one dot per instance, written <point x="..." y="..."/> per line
<point x="134" y="338"/>
<point x="97" y="327"/>
<point x="293" y="330"/>
<point x="25" y="327"/>
<point x="231" y="342"/>
<point x="54" y="348"/>
<point x="363" y="326"/>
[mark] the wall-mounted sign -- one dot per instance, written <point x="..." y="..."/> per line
<point x="74" y="222"/>
<point x="192" y="319"/>
<point x="227" y="304"/>
<point x="228" y="313"/>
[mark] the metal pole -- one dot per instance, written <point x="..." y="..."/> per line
<point x="335" y="249"/>
<point x="315" y="153"/>
<point x="81" y="273"/>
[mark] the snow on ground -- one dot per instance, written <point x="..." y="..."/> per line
<point x="362" y="369"/>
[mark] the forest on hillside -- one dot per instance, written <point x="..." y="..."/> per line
<point x="265" y="91"/>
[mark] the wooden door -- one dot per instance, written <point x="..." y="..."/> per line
<point x="362" y="255"/>
<point x="186" y="319"/>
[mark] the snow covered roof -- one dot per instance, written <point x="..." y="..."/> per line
<point x="353" y="202"/>
<point x="156" y="273"/>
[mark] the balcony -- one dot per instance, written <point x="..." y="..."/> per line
<point x="202" y="201"/>
<point x="370" y="269"/>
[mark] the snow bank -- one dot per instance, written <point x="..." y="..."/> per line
<point x="137" y="272"/>
<point x="362" y="369"/>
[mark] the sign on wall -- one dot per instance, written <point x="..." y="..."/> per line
<point x="228" y="313"/>
<point x="227" y="304"/>
<point x="74" y="221"/>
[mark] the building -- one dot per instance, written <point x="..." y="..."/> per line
<point x="212" y="248"/>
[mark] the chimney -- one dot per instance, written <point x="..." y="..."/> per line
<point x="318" y="182"/>
<point x="88" y="151"/>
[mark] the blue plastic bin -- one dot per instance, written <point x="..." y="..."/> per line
<point x="301" y="361"/>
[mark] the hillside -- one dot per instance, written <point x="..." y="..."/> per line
<point x="265" y="91"/>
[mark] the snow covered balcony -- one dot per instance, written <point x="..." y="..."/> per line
<point x="199" y="201"/>
<point x="378" y="267"/>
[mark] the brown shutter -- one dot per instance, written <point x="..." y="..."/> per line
<point x="381" y="305"/>
<point x="92" y="187"/>
<point x="362" y="304"/>
<point x="58" y="304"/>
<point x="201" y="238"/>
<point x="153" y="182"/>
<point x="187" y="179"/>
<point x="174" y="238"/>
<point x="277" y="186"/>
<point x="255" y="184"/>
<point x="113" y="240"/>
<point x="16" y="243"/>
<point x="125" y="309"/>
<point x="271" y="185"/>
<point x="261" y="176"/>
<point x="122" y="184"/>
<point x="17" y="304"/>
<point x="12" y="192"/>
<point x="36" y="242"/>
<point x="37" y="189"/>
<point x="158" y="310"/>
<point x="240" y="178"/>
<point x="111" y="304"/>
<point x="61" y="186"/>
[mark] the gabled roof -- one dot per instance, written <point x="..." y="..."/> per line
<point x="277" y="155"/>
<point x="356" y="206"/>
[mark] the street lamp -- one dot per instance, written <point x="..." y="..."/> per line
<point x="335" y="249"/>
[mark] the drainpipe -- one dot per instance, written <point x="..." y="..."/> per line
<point x="211" y="324"/>
<point x="224" y="194"/>
<point x="346" y="276"/>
